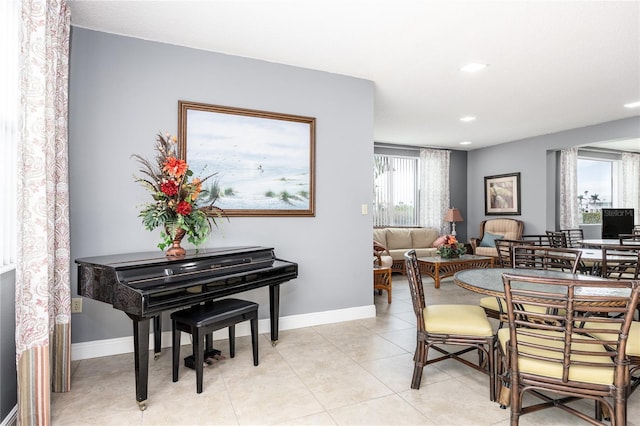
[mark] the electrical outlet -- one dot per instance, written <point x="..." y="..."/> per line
<point x="76" y="305"/>
<point x="365" y="209"/>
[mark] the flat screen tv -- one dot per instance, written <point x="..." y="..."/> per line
<point x="616" y="221"/>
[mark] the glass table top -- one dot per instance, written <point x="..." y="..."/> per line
<point x="489" y="281"/>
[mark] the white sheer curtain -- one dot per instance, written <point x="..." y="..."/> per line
<point x="434" y="188"/>
<point x="631" y="184"/>
<point x="569" y="212"/>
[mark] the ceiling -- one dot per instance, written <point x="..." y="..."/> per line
<point x="553" y="66"/>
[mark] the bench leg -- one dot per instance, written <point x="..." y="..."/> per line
<point x="175" y="334"/>
<point x="198" y="349"/>
<point x="254" y="337"/>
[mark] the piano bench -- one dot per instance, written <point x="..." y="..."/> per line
<point x="201" y="320"/>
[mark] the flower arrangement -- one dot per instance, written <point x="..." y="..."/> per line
<point x="176" y="194"/>
<point x="451" y="248"/>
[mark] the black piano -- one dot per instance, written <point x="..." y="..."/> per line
<point x="143" y="285"/>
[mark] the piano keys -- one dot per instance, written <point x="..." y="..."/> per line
<point x="143" y="285"/>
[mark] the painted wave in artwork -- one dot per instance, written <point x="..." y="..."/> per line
<point x="261" y="163"/>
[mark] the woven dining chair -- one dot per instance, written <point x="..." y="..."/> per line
<point x="556" y="239"/>
<point x="621" y="262"/>
<point x="531" y="257"/>
<point x="628" y="238"/>
<point x="545" y="354"/>
<point x="457" y="325"/>
<point x="547" y="258"/>
<point x="573" y="236"/>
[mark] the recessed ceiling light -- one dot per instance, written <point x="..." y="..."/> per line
<point x="633" y="104"/>
<point x="468" y="118"/>
<point x="466" y="143"/>
<point x="473" y="67"/>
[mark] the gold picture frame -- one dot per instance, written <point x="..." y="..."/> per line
<point x="264" y="161"/>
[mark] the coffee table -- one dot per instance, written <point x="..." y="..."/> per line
<point x="438" y="267"/>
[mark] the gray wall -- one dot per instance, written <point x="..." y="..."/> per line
<point x="124" y="90"/>
<point x="8" y="379"/>
<point x="535" y="159"/>
<point x="458" y="191"/>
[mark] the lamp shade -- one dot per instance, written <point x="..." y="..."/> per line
<point x="453" y="215"/>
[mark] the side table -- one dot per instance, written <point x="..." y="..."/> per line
<point x="382" y="280"/>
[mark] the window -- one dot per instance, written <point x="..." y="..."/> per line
<point x="598" y="185"/>
<point x="396" y="199"/>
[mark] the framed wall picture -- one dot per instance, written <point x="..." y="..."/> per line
<point x="264" y="161"/>
<point x="502" y="194"/>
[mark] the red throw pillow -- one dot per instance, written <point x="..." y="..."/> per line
<point x="438" y="242"/>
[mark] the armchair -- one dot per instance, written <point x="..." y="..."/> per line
<point x="492" y="229"/>
<point x="381" y="255"/>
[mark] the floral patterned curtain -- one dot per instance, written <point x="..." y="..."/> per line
<point x="631" y="183"/>
<point x="43" y="307"/>
<point x="569" y="212"/>
<point x="434" y="188"/>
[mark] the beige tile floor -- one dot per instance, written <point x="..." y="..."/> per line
<point x="350" y="373"/>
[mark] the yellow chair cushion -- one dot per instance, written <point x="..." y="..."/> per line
<point x="491" y="302"/>
<point x="579" y="373"/>
<point x="633" y="341"/>
<point x="466" y="320"/>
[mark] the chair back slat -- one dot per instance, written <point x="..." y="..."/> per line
<point x="548" y="258"/>
<point x="557" y="239"/>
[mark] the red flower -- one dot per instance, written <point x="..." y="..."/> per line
<point x="183" y="208"/>
<point x="175" y="167"/>
<point x="169" y="188"/>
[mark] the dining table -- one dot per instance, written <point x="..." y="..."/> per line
<point x="489" y="281"/>
<point x="606" y="242"/>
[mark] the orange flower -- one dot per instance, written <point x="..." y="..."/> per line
<point x="175" y="167"/>
<point x="197" y="184"/>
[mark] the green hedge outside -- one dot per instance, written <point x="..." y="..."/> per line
<point x="592" y="217"/>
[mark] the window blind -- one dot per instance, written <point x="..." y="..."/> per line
<point x="9" y="83"/>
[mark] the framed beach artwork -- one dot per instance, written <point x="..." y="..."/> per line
<point x="502" y="194"/>
<point x="264" y="161"/>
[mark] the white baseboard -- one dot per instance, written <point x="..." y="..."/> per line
<point x="121" y="345"/>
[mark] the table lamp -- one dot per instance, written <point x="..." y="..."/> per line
<point x="453" y="215"/>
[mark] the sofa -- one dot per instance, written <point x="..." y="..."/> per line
<point x="398" y="240"/>
<point x="495" y="229"/>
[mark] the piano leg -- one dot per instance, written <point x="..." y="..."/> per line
<point x="274" y="311"/>
<point x="157" y="336"/>
<point x="141" y="358"/>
